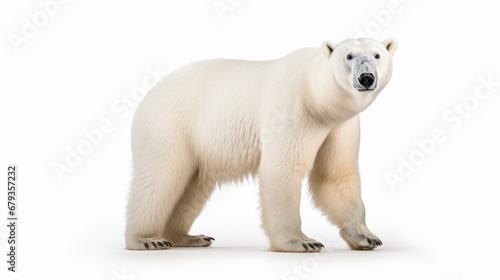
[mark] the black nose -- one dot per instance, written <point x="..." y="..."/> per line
<point x="366" y="79"/>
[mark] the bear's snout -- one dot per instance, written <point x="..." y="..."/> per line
<point x="364" y="74"/>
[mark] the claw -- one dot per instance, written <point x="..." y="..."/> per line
<point x="305" y="246"/>
<point x="146" y="245"/>
<point x="369" y="241"/>
<point x="319" y="245"/>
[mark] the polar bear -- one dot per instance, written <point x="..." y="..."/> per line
<point x="222" y="120"/>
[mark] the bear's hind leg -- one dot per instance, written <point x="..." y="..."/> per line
<point x="186" y="211"/>
<point x="156" y="188"/>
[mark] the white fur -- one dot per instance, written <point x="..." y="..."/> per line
<point x="218" y="121"/>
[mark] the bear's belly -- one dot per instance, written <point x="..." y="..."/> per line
<point x="229" y="153"/>
<point x="230" y="163"/>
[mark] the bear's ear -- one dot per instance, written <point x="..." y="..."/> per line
<point x="327" y="47"/>
<point x="391" y="45"/>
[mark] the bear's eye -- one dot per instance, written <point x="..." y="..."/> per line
<point x="349" y="56"/>
<point x="377" y="56"/>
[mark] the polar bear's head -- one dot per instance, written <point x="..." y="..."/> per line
<point x="360" y="66"/>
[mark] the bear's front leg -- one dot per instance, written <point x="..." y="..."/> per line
<point x="335" y="186"/>
<point x="280" y="188"/>
<point x="280" y="203"/>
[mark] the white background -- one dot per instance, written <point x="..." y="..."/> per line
<point x="440" y="222"/>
